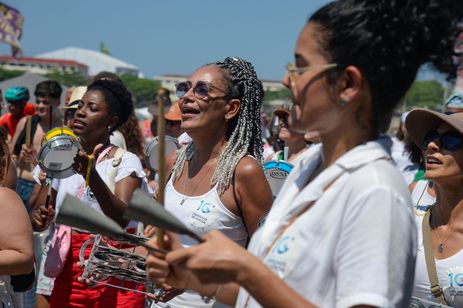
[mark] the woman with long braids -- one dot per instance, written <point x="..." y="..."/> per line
<point x="216" y="181"/>
<point x="341" y="232"/>
<point x="105" y="106"/>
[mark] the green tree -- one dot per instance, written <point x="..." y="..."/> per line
<point x="68" y="79"/>
<point x="8" y="74"/>
<point x="425" y="93"/>
<point x="142" y="89"/>
<point x="275" y="95"/>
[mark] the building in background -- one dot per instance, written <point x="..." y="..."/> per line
<point x="42" y="65"/>
<point x="95" y="61"/>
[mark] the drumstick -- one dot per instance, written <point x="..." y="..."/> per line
<point x="28" y="131"/>
<point x="47" y="201"/>
<point x="51" y="117"/>
<point x="161" y="157"/>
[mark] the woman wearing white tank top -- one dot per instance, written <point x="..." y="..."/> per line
<point x="217" y="182"/>
<point x="440" y="136"/>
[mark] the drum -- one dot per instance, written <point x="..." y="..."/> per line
<point x="276" y="172"/>
<point x="59" y="147"/>
<point x="151" y="150"/>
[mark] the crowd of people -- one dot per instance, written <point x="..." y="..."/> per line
<point x="363" y="219"/>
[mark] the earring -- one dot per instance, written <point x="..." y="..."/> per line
<point x="109" y="128"/>
<point x="343" y="103"/>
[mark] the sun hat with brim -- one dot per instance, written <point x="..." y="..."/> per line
<point x="174" y="113"/>
<point x="76" y="96"/>
<point x="419" y="121"/>
<point x="281" y="112"/>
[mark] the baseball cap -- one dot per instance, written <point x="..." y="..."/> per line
<point x="174" y="113"/>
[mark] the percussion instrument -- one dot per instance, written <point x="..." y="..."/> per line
<point x="56" y="156"/>
<point x="151" y="151"/>
<point x="117" y="264"/>
<point x="276" y="172"/>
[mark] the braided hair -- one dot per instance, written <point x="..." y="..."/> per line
<point x="244" y="131"/>
<point x="117" y="97"/>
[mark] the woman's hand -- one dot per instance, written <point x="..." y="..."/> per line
<point x="81" y="160"/>
<point x="41" y="217"/>
<point x="28" y="154"/>
<point x="217" y="260"/>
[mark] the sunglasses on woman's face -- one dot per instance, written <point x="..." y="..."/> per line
<point x="200" y="90"/>
<point x="450" y="140"/>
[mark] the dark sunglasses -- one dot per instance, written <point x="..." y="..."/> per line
<point x="450" y="140"/>
<point x="200" y="90"/>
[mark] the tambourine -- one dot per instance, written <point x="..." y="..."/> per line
<point x="151" y="150"/>
<point x="276" y="172"/>
<point x="56" y="156"/>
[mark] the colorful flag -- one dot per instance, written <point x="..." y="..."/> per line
<point x="11" y="28"/>
<point x="104" y="49"/>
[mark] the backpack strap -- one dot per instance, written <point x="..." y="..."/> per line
<point x="112" y="173"/>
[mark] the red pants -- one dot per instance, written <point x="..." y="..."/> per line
<point x="68" y="292"/>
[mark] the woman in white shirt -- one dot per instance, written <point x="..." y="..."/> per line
<point x="440" y="136"/>
<point x="341" y="231"/>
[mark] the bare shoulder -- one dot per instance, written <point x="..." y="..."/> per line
<point x="10" y="200"/>
<point x="247" y="167"/>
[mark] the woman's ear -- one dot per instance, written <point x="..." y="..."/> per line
<point x="233" y="108"/>
<point x="113" y="122"/>
<point x="350" y="84"/>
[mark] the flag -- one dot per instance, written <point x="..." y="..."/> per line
<point x="104" y="49"/>
<point x="11" y="28"/>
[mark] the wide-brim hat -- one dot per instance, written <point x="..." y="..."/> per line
<point x="419" y="121"/>
<point x="76" y="96"/>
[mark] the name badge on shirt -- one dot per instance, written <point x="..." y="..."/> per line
<point x="204" y="214"/>
<point x="284" y="255"/>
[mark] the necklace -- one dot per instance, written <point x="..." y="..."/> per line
<point x="440" y="247"/>
<point x="185" y="197"/>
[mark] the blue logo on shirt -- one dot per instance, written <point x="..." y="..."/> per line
<point x="205" y="207"/>
<point x="281" y="246"/>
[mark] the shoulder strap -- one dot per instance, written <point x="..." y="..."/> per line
<point x="436" y="290"/>
<point x="112" y="173"/>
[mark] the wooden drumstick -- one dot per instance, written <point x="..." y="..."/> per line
<point x="161" y="157"/>
<point x="28" y="131"/>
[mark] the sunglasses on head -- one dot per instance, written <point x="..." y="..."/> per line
<point x="450" y="140"/>
<point x="200" y="90"/>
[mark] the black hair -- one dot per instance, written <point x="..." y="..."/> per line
<point x="117" y="97"/>
<point x="105" y="75"/>
<point x="48" y="88"/>
<point x="388" y="40"/>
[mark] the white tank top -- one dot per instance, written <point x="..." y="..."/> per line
<point x="201" y="214"/>
<point x="421" y="199"/>
<point x="449" y="273"/>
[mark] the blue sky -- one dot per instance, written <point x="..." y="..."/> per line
<point x="169" y="36"/>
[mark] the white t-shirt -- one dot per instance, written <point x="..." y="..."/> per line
<point x="357" y="243"/>
<point x="74" y="184"/>
<point x="449" y="273"/>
